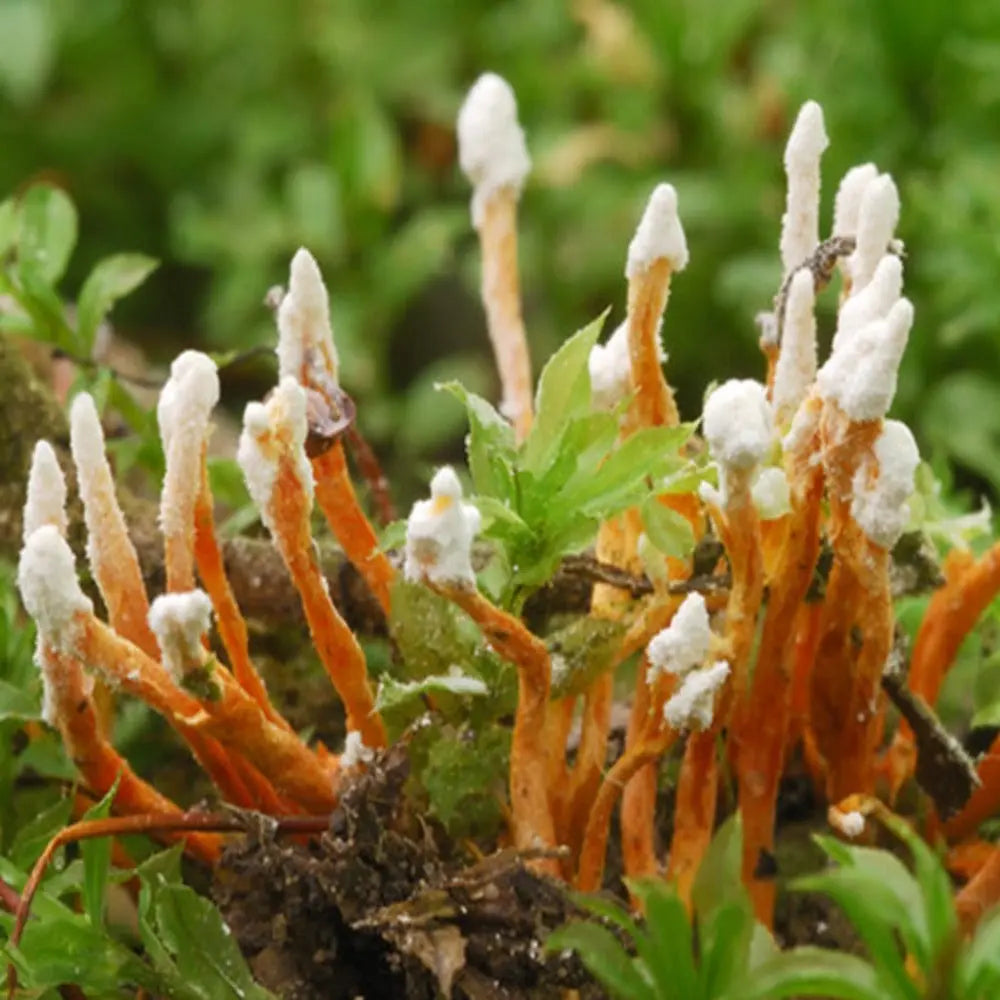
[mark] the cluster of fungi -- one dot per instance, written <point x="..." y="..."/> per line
<point x="748" y="674"/>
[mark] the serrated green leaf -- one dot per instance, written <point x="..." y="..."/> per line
<point x="809" y="971"/>
<point x="111" y="279"/>
<point x="563" y="393"/>
<point x="605" y="958"/>
<point x="393" y="535"/>
<point x="489" y="445"/>
<point x="48" y="228"/>
<point x="671" y="533"/>
<point x="392" y="693"/>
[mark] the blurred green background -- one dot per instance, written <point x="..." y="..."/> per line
<point x="219" y="135"/>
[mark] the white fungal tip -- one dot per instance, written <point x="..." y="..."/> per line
<point x="878" y="215"/>
<point x="188" y="398"/>
<point x="46" y="578"/>
<point x="848" y="201"/>
<point x="738" y="424"/>
<point x="849" y="824"/>
<point x="796" y="367"/>
<point x="800" y="224"/>
<point x="86" y="438"/>
<point x="491" y="147"/>
<point x="684" y="643"/>
<point x="660" y="235"/>
<point x="179" y="621"/>
<point x="306" y="350"/>
<point x="861" y="373"/>
<point x="355" y="752"/>
<point x="693" y="706"/>
<point x="439" y="534"/>
<point x="271" y="430"/>
<point x="45" y="502"/>
<point x="610" y="370"/>
<point x="873" y="301"/>
<point x="882" y="490"/>
<point x="771" y="494"/>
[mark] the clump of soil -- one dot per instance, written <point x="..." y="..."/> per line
<point x="385" y="907"/>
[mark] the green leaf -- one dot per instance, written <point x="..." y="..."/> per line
<point x="667" y="944"/>
<point x="580" y="652"/>
<point x="605" y="957"/>
<point x="392" y="693"/>
<point x="725" y="946"/>
<point x="978" y="969"/>
<point x="17" y="704"/>
<point x="28" y="30"/>
<point x="719" y="878"/>
<point x="489" y="445"/>
<point x="97" y="860"/>
<point x="32" y="838"/>
<point x="809" y="971"/>
<point x="669" y="531"/>
<point x="9" y="224"/>
<point x="111" y="279"/>
<point x="48" y="234"/>
<point x="563" y="392"/>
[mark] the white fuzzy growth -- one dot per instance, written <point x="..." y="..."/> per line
<point x="877" y="218"/>
<point x="179" y="621"/>
<point x="610" y="370"/>
<point x="86" y="438"/>
<point x="660" y="235"/>
<point x="355" y="752"/>
<point x="861" y="374"/>
<point x="439" y="534"/>
<point x="800" y="224"/>
<point x="738" y="424"/>
<point x="46" y="578"/>
<point x="693" y="706"/>
<point x="881" y="493"/>
<point x="187" y="400"/>
<point x="796" y="367"/>
<point x="306" y="350"/>
<point x="771" y="494"/>
<point x="491" y="147"/>
<point x="45" y="502"/>
<point x="270" y="430"/>
<point x="850" y="824"/>
<point x="683" y="644"/>
<point x="848" y="201"/>
<point x="873" y="301"/>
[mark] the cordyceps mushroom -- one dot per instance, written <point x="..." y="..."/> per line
<point x="279" y="477"/>
<point x="494" y="157"/>
<point x="869" y="469"/>
<point x="439" y="536"/>
<point x="739" y="429"/>
<point x="307" y="353"/>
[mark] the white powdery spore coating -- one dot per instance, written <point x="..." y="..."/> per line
<point x="800" y="224"/>
<point x="439" y="534"/>
<point x="491" y="147"/>
<point x="693" y="706"/>
<point x="796" y="367"/>
<point x="45" y="502"/>
<point x="305" y="336"/>
<point x="268" y="429"/>
<point x="738" y="424"/>
<point x="187" y="400"/>
<point x="771" y="494"/>
<point x="179" y="621"/>
<point x="87" y="442"/>
<point x="46" y="578"/>
<point x="805" y="425"/>
<point x="878" y="215"/>
<point x="880" y="504"/>
<point x="848" y="201"/>
<point x="355" y="751"/>
<point x="660" y="235"/>
<point x="683" y="644"/>
<point x="861" y="374"/>
<point x="850" y="824"/>
<point x="873" y="301"/>
<point x="610" y="370"/>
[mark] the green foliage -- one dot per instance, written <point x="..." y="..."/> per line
<point x="723" y="954"/>
<point x="545" y="498"/>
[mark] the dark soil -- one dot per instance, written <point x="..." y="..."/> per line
<point x="384" y="907"/>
